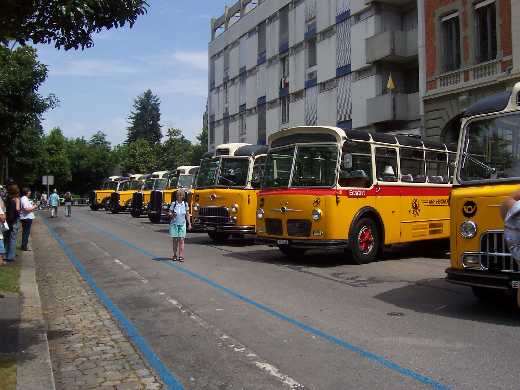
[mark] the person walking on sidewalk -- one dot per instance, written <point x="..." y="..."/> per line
<point x="2" y="229"/>
<point x="12" y="207"/>
<point x="179" y="218"/>
<point x="54" y="201"/>
<point x="26" y="217"/>
<point x="68" y="204"/>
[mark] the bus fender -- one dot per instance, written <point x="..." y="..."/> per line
<point x="371" y="213"/>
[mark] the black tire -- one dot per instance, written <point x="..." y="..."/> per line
<point x="154" y="218"/>
<point x="291" y="251"/>
<point x="365" y="241"/>
<point x="94" y="207"/>
<point x="114" y="209"/>
<point x="484" y="294"/>
<point x="135" y="213"/>
<point x="218" y="237"/>
<point x="106" y="204"/>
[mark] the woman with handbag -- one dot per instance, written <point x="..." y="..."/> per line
<point x="179" y="218"/>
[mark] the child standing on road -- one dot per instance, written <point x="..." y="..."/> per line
<point x="179" y="218"/>
<point x="54" y="200"/>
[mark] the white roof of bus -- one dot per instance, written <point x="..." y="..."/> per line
<point x="336" y="131"/>
<point x="233" y="147"/>
<point x="136" y="176"/>
<point x="160" y="174"/>
<point x="185" y="169"/>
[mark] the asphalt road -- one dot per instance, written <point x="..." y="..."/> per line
<point x="242" y="316"/>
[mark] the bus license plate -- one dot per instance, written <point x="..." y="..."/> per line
<point x="211" y="228"/>
<point x="282" y="242"/>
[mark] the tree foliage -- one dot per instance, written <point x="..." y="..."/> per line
<point x="145" y="119"/>
<point x="68" y="23"/>
<point x="56" y="159"/>
<point x="200" y="148"/>
<point x="137" y="157"/>
<point x="175" y="151"/>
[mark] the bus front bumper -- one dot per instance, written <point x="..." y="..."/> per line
<point x="476" y="278"/>
<point x="230" y="229"/>
<point x="304" y="244"/>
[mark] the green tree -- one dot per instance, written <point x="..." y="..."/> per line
<point x="56" y="159"/>
<point x="137" y="157"/>
<point x="175" y="151"/>
<point x="27" y="156"/>
<point x="201" y="147"/>
<point x="21" y="106"/>
<point x="69" y="24"/>
<point x="145" y="119"/>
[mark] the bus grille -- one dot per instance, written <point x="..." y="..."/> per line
<point x="273" y="227"/>
<point x="137" y="201"/>
<point x="299" y="227"/>
<point x="156" y="201"/>
<point x="495" y="254"/>
<point x="214" y="215"/>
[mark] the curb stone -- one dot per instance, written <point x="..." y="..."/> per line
<point x="34" y="367"/>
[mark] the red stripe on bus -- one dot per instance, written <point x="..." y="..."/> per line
<point x="374" y="191"/>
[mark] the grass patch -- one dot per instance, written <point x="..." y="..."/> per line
<point x="10" y="279"/>
<point x="7" y="372"/>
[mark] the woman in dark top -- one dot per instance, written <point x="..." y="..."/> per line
<point x="13" y="220"/>
<point x="68" y="204"/>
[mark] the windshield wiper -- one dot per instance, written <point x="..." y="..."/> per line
<point x="481" y="164"/>
<point x="228" y="180"/>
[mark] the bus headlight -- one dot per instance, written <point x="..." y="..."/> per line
<point x="196" y="207"/>
<point x="234" y="209"/>
<point x="260" y="214"/>
<point x="316" y="214"/>
<point x="468" y="229"/>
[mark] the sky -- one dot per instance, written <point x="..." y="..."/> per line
<point x="165" y="51"/>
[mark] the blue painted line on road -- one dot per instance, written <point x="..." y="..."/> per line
<point x="133" y="334"/>
<point x="406" y="372"/>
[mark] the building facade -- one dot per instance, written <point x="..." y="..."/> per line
<point x="282" y="63"/>
<point x="471" y="50"/>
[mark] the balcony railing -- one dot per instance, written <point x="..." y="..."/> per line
<point x="467" y="76"/>
<point x="393" y="107"/>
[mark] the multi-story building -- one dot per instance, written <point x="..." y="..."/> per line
<point x="280" y="63"/>
<point x="471" y="50"/>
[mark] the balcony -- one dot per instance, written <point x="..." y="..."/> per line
<point x="393" y="107"/>
<point x="392" y="46"/>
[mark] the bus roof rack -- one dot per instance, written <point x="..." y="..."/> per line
<point x="493" y="103"/>
<point x="251" y="150"/>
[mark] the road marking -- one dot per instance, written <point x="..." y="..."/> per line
<point x="170" y="381"/>
<point x="373" y="357"/>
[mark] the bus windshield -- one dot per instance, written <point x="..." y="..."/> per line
<point x="135" y="185"/>
<point x="148" y="184"/>
<point x="491" y="149"/>
<point x="112" y="185"/>
<point x="208" y="172"/>
<point x="185" y="181"/>
<point x="233" y="172"/>
<point x="160" y="184"/>
<point x="313" y="166"/>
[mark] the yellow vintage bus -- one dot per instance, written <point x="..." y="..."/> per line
<point x="121" y="199"/>
<point x="141" y="199"/>
<point x="101" y="198"/>
<point x="488" y="171"/>
<point x="226" y="189"/>
<point x="324" y="186"/>
<point x="161" y="198"/>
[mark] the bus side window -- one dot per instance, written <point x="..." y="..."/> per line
<point x="356" y="165"/>
<point x="386" y="164"/>
<point x="412" y="165"/>
<point x="437" y="167"/>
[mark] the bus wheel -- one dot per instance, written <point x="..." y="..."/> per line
<point x="486" y="294"/>
<point x="218" y="237"/>
<point x="114" y="209"/>
<point x="154" y="218"/>
<point x="135" y="213"/>
<point x="94" y="207"/>
<point x="365" y="241"/>
<point x="291" y="251"/>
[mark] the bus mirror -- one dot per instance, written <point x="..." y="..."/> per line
<point x="347" y="161"/>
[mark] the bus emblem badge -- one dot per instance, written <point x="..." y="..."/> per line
<point x="416" y="208"/>
<point x="469" y="209"/>
<point x="213" y="196"/>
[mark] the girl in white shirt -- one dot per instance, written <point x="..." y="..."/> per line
<point x="26" y="217"/>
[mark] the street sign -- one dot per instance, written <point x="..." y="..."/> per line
<point x="48" y="180"/>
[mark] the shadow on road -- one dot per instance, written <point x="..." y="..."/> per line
<point x="439" y="298"/>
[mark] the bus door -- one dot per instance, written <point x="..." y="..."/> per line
<point x="387" y="192"/>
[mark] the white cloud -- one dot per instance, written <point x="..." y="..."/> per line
<point x="197" y="59"/>
<point x="88" y="68"/>
<point x="175" y="86"/>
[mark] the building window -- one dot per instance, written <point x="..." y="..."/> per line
<point x="262" y="136"/>
<point x="242" y="130"/>
<point x="450" y="28"/>
<point x="311" y="53"/>
<point x="226" y="131"/>
<point x="212" y="130"/>
<point x="262" y="38"/>
<point x="226" y="95"/>
<point x="486" y="31"/>
<point x="284" y="107"/>
<point x="284" y="26"/>
<point x="285" y="68"/>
